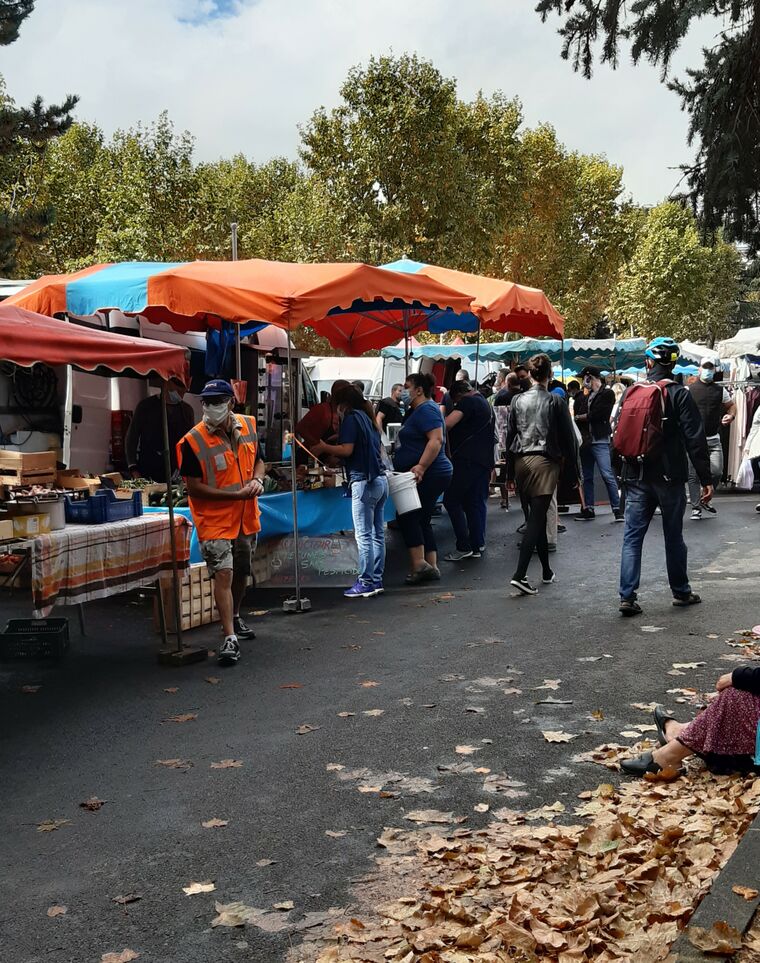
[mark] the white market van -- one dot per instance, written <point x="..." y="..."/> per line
<point x="377" y="374"/>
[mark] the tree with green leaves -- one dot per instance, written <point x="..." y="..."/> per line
<point x="23" y="132"/>
<point x="721" y="96"/>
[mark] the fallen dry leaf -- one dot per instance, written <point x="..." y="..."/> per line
<point x="429" y="816"/>
<point x="292" y="685"/>
<point x="346" y="715"/>
<point x="477" y="710"/>
<point x="129" y="898"/>
<point x="334" y="767"/>
<point x="745" y="891"/>
<point x="183" y="717"/>
<point x="54" y="911"/>
<point x="172" y="689"/>
<point x="49" y="825"/>
<point x="630" y="733"/>
<point x="259" y="612"/>
<point x="597" y="715"/>
<point x="93" y="804"/>
<point x="554" y="736"/>
<point x="192" y="889"/>
<point x="306" y="727"/>
<point x="720" y="938"/>
<point x="644" y="706"/>
<point x="553" y="684"/>
<point x="213" y="679"/>
<point x="126" y="956"/>
<point x="688" y="665"/>
<point x="373" y="712"/>
<point x="175" y="763"/>
<point x="481" y="807"/>
<point x="30" y="689"/>
<point x="215" y="823"/>
<point x="226" y="764"/>
<point x="512" y="691"/>
<point x="368" y="684"/>
<point x="466" y="750"/>
<point x="265" y="862"/>
<point x="284" y="906"/>
<point x="652" y="628"/>
<point x="238" y="914"/>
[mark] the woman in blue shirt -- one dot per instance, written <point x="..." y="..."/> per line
<point x="420" y="451"/>
<point x="359" y="446"/>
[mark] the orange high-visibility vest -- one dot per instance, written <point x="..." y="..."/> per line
<point x="227" y="470"/>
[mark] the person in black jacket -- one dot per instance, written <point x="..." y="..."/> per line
<point x="659" y="480"/>
<point x="723" y="735"/>
<point x="540" y="435"/>
<point x="592" y="414"/>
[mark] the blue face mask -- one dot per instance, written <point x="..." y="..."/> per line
<point x="707" y="375"/>
<point x="173" y="397"/>
<point x="404" y="399"/>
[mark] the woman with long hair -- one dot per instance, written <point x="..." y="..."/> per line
<point x="419" y="449"/>
<point x="540" y="436"/>
<point x="359" y="446"/>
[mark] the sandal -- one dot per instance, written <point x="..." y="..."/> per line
<point x="640" y="766"/>
<point x="660" y="720"/>
<point x="423" y="574"/>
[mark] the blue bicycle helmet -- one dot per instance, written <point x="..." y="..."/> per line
<point x="664" y="350"/>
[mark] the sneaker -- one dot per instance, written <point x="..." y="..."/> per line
<point x="521" y="528"/>
<point x="548" y="579"/>
<point x="242" y="631"/>
<point x="457" y="556"/>
<point x="478" y="553"/>
<point x="682" y="601"/>
<point x="696" y="514"/>
<point x="619" y="514"/>
<point x="229" y="651"/>
<point x="709" y="507"/>
<point x="524" y="586"/>
<point x="630" y="607"/>
<point x="561" y="528"/>
<point x="585" y="515"/>
<point x="359" y="590"/>
<point x="757" y="508"/>
<point x="377" y="588"/>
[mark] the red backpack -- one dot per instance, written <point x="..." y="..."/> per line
<point x="639" y="429"/>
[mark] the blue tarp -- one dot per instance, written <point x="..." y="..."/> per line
<point x="321" y="512"/>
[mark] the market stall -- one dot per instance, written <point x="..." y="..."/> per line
<point x="119" y="549"/>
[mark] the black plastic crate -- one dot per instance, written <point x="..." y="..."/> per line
<point x="34" y="639"/>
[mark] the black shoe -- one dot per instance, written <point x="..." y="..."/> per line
<point x="641" y="766"/>
<point x="619" y="514"/>
<point x="242" y="631"/>
<point x="630" y="607"/>
<point x="548" y="578"/>
<point x="681" y="601"/>
<point x="561" y="528"/>
<point x="521" y="528"/>
<point x="660" y="719"/>
<point x="524" y="586"/>
<point x="563" y="509"/>
<point x="585" y="515"/>
<point x="757" y="508"/>
<point x="229" y="651"/>
<point x="709" y="507"/>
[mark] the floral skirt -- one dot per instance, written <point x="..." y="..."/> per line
<point x="724" y="733"/>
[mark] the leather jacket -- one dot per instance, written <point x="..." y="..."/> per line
<point x="540" y="424"/>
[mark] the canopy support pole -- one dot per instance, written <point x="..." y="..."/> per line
<point x="406" y="346"/>
<point x="180" y="655"/>
<point x="562" y="358"/>
<point x="477" y="354"/>
<point x="296" y="603"/>
<point x="238" y="364"/>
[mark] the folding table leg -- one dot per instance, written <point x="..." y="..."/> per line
<point x="161" y="613"/>
<point x="80" y="613"/>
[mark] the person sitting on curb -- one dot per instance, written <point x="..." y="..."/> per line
<point x="723" y="734"/>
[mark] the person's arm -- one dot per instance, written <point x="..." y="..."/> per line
<point x="453" y="419"/>
<point x="746" y="678"/>
<point x="754" y="429"/>
<point x="338" y="451"/>
<point x="379" y="419"/>
<point x="314" y="424"/>
<point x="511" y="427"/>
<point x="729" y="409"/>
<point x="693" y="431"/>
<point x="566" y="436"/>
<point x="199" y="489"/>
<point x="429" y="454"/>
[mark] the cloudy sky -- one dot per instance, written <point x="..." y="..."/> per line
<point x="242" y="74"/>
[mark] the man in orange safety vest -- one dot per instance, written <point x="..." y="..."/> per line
<point x="220" y="462"/>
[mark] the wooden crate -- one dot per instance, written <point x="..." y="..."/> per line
<point x="196" y="600"/>
<point x="27" y="467"/>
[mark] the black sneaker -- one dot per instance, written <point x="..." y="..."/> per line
<point x="619" y="514"/>
<point x="681" y="601"/>
<point x="243" y="631"/>
<point x="585" y="515"/>
<point x="229" y="651"/>
<point x="561" y="528"/>
<point x="524" y="586"/>
<point x="630" y="607"/>
<point x="709" y="507"/>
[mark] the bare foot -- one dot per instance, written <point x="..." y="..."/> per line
<point x="667" y="729"/>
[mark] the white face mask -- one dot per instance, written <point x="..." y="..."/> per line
<point x="214" y="416"/>
<point x="174" y="397"/>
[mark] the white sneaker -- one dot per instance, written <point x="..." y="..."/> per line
<point x="229" y="651"/>
<point x="696" y="514"/>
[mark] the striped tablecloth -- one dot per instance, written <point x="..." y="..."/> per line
<point x="85" y="562"/>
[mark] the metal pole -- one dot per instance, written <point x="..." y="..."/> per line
<point x="238" y="364"/>
<point x="477" y="354"/>
<point x="562" y="357"/>
<point x="406" y="346"/>
<point x="292" y="388"/>
<point x="170" y="505"/>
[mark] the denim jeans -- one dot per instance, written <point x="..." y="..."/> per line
<point x="641" y="500"/>
<point x="367" y="506"/>
<point x="465" y="500"/>
<point x="598" y="453"/>
<point x="715" y="448"/>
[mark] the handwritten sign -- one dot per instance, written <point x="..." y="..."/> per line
<point x="324" y="561"/>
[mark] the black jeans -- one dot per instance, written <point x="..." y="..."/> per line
<point x="465" y="501"/>
<point x="415" y="526"/>
<point x="535" y="536"/>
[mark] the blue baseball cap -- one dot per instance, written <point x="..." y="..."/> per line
<point x="217" y="389"/>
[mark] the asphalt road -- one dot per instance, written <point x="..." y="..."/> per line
<point x="97" y="726"/>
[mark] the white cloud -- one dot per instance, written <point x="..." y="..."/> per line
<point x="242" y="82"/>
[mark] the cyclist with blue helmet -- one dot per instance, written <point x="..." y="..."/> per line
<point x="658" y="480"/>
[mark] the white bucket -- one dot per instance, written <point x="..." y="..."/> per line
<point x="403" y="489"/>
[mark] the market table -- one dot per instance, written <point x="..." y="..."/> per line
<point x="85" y="562"/>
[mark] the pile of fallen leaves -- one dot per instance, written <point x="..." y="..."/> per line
<point x="618" y="885"/>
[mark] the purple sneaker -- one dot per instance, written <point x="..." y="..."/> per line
<point x="359" y="590"/>
<point x="377" y="588"/>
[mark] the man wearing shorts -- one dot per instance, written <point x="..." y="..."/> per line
<point x="223" y="470"/>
